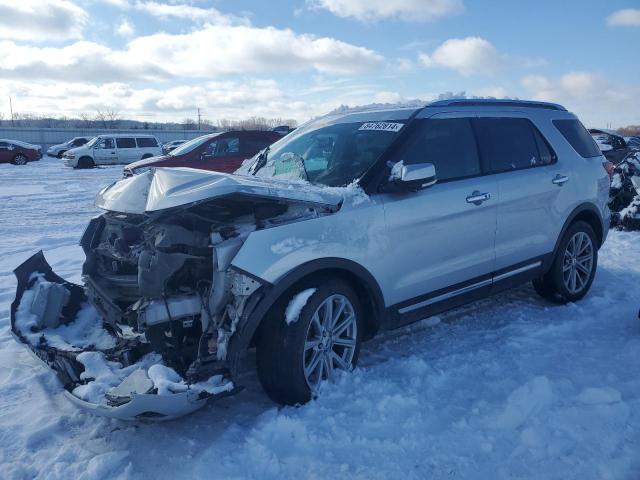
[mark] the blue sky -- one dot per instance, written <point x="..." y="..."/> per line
<point x="154" y="60"/>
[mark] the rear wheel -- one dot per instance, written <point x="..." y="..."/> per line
<point x="293" y="360"/>
<point x="86" y="162"/>
<point x="573" y="268"/>
<point x="20" y="159"/>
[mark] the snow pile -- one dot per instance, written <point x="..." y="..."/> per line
<point x="166" y="380"/>
<point x="103" y="375"/>
<point x="353" y="194"/>
<point x="396" y="171"/>
<point x="296" y="304"/>
<point x="84" y="332"/>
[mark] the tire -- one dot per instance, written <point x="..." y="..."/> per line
<point x="284" y="350"/>
<point x="20" y="159"/>
<point x="574" y="266"/>
<point x="146" y="155"/>
<point x="86" y="162"/>
<point x="61" y="153"/>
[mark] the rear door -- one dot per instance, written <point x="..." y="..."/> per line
<point x="442" y="237"/>
<point x="534" y="188"/>
<point x="127" y="149"/>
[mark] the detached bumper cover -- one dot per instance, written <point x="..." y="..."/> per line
<point x="127" y="351"/>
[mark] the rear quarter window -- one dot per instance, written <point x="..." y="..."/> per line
<point x="146" y="142"/>
<point x="125" y="142"/>
<point x="579" y="138"/>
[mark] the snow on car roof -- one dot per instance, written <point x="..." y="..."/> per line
<point x="19" y="142"/>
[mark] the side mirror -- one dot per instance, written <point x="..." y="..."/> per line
<point x="417" y="176"/>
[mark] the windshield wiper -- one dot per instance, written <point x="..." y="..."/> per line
<point x="260" y="162"/>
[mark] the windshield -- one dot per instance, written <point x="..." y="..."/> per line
<point x="332" y="155"/>
<point x="92" y="142"/>
<point x="190" y="145"/>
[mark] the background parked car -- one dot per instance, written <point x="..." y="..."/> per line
<point x="18" y="153"/>
<point x="220" y="152"/>
<point x="634" y="143"/>
<point x="58" y="150"/>
<point x="609" y="138"/>
<point x="169" y="146"/>
<point x="283" y="129"/>
<point x="112" y="149"/>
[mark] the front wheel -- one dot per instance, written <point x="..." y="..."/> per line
<point x="19" y="159"/>
<point x="297" y="353"/>
<point x="86" y="162"/>
<point x="573" y="268"/>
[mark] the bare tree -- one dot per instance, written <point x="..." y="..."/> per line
<point x="629" y="131"/>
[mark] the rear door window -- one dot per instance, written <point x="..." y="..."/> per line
<point x="508" y="144"/>
<point x="579" y="138"/>
<point x="448" y="143"/>
<point x="125" y="142"/>
<point x="146" y="142"/>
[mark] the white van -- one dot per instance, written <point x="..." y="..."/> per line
<point x="118" y="148"/>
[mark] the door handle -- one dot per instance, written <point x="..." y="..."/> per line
<point x="477" y="198"/>
<point x="560" y="180"/>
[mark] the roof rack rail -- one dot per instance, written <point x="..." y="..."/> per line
<point x="479" y="102"/>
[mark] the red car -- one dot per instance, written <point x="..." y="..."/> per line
<point x="18" y="153"/>
<point x="221" y="152"/>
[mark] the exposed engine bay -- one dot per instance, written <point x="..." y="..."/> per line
<point x="162" y="286"/>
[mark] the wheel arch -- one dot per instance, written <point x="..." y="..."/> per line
<point x="363" y="282"/>
<point x="588" y="213"/>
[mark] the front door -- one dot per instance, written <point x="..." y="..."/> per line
<point x="105" y="152"/>
<point x="441" y="237"/>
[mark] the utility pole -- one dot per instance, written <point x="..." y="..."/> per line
<point x="11" y="110"/>
<point x="199" y="119"/>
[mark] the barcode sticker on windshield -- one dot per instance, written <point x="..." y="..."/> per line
<point x="382" y="126"/>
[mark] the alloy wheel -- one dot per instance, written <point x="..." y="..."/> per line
<point x="577" y="263"/>
<point x="331" y="340"/>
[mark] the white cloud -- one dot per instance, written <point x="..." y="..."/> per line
<point x="627" y="17"/>
<point x="217" y="100"/>
<point x="210" y="51"/>
<point x="41" y="20"/>
<point x="374" y="10"/>
<point x="467" y="56"/>
<point x="183" y="11"/>
<point x="179" y="10"/>
<point x="125" y="28"/>
<point x="593" y="97"/>
<point x="215" y="50"/>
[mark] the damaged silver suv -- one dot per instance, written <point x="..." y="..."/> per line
<point x="355" y="223"/>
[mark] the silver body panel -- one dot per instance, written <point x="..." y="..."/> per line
<point x="411" y="243"/>
<point x="419" y="242"/>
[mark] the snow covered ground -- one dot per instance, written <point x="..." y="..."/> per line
<point x="510" y="387"/>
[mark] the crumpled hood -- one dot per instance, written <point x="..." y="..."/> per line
<point x="163" y="188"/>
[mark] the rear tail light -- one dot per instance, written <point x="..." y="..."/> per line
<point x="609" y="167"/>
